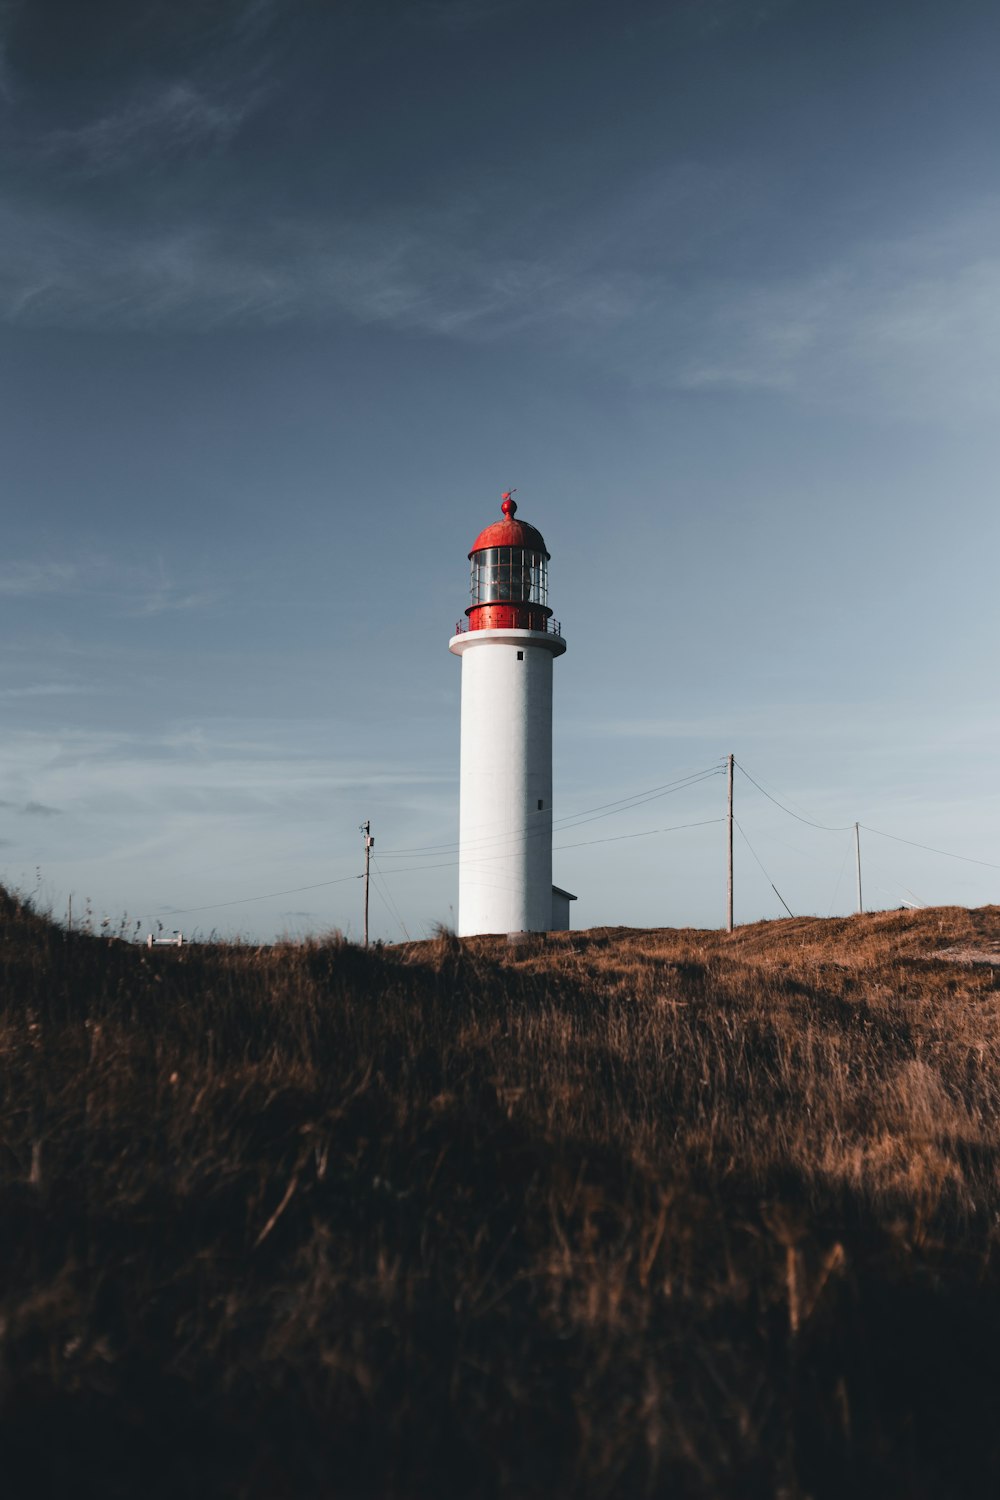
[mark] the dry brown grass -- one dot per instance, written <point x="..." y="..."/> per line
<point x="630" y="1213"/>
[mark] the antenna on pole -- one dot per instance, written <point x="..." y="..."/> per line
<point x="366" y="829"/>
<point x="729" y="831"/>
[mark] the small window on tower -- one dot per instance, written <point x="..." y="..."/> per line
<point x="541" y="804"/>
<point x="520" y="656"/>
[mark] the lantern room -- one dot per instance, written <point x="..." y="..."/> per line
<point x="510" y="583"/>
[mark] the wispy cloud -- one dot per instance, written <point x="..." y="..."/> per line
<point x="164" y="599"/>
<point x="129" y="590"/>
<point x="25" y="580"/>
<point x="141" y="115"/>
<point x="234" y="767"/>
<point x="41" y="690"/>
<point x="59" y="270"/>
<point x="912" y="322"/>
<point x="176" y="118"/>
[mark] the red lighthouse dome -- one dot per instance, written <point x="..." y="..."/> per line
<point x="510" y="581"/>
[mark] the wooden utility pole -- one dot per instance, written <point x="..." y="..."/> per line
<point x="857" y="850"/>
<point x="366" y="829"/>
<point x="729" y="821"/>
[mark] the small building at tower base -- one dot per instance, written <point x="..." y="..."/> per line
<point x="560" y="908"/>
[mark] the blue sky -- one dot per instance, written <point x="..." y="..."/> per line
<point x="289" y="294"/>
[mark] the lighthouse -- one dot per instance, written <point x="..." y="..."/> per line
<point x="507" y="644"/>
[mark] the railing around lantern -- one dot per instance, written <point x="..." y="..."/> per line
<point x="552" y="627"/>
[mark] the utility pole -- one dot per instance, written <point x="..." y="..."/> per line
<point x="857" y="850"/>
<point x="366" y="829"/>
<point x="729" y="821"/>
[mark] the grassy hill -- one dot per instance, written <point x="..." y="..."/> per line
<point x="626" y="1213"/>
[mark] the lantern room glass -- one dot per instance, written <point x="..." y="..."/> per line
<point x="509" y="575"/>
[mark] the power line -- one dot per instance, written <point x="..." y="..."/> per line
<point x="295" y="890"/>
<point x="826" y="827"/>
<point x="560" y="825"/>
<point x="388" y="898"/>
<point x="763" y="871"/>
<point x="945" y="852"/>
<point x="616" y="838"/>
<point x="586" y="844"/>
<point x="383" y="896"/>
<point x="636" y="798"/>
<point x="451" y="864"/>
<point x="579" y="819"/>
<point x="569" y="820"/>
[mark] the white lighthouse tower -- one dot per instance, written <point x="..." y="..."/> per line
<point x="507" y="649"/>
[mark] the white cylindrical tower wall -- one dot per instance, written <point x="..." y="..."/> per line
<point x="505" y="828"/>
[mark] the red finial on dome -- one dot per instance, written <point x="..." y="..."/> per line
<point x="509" y="506"/>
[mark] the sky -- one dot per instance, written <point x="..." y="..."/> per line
<point x="290" y="293"/>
